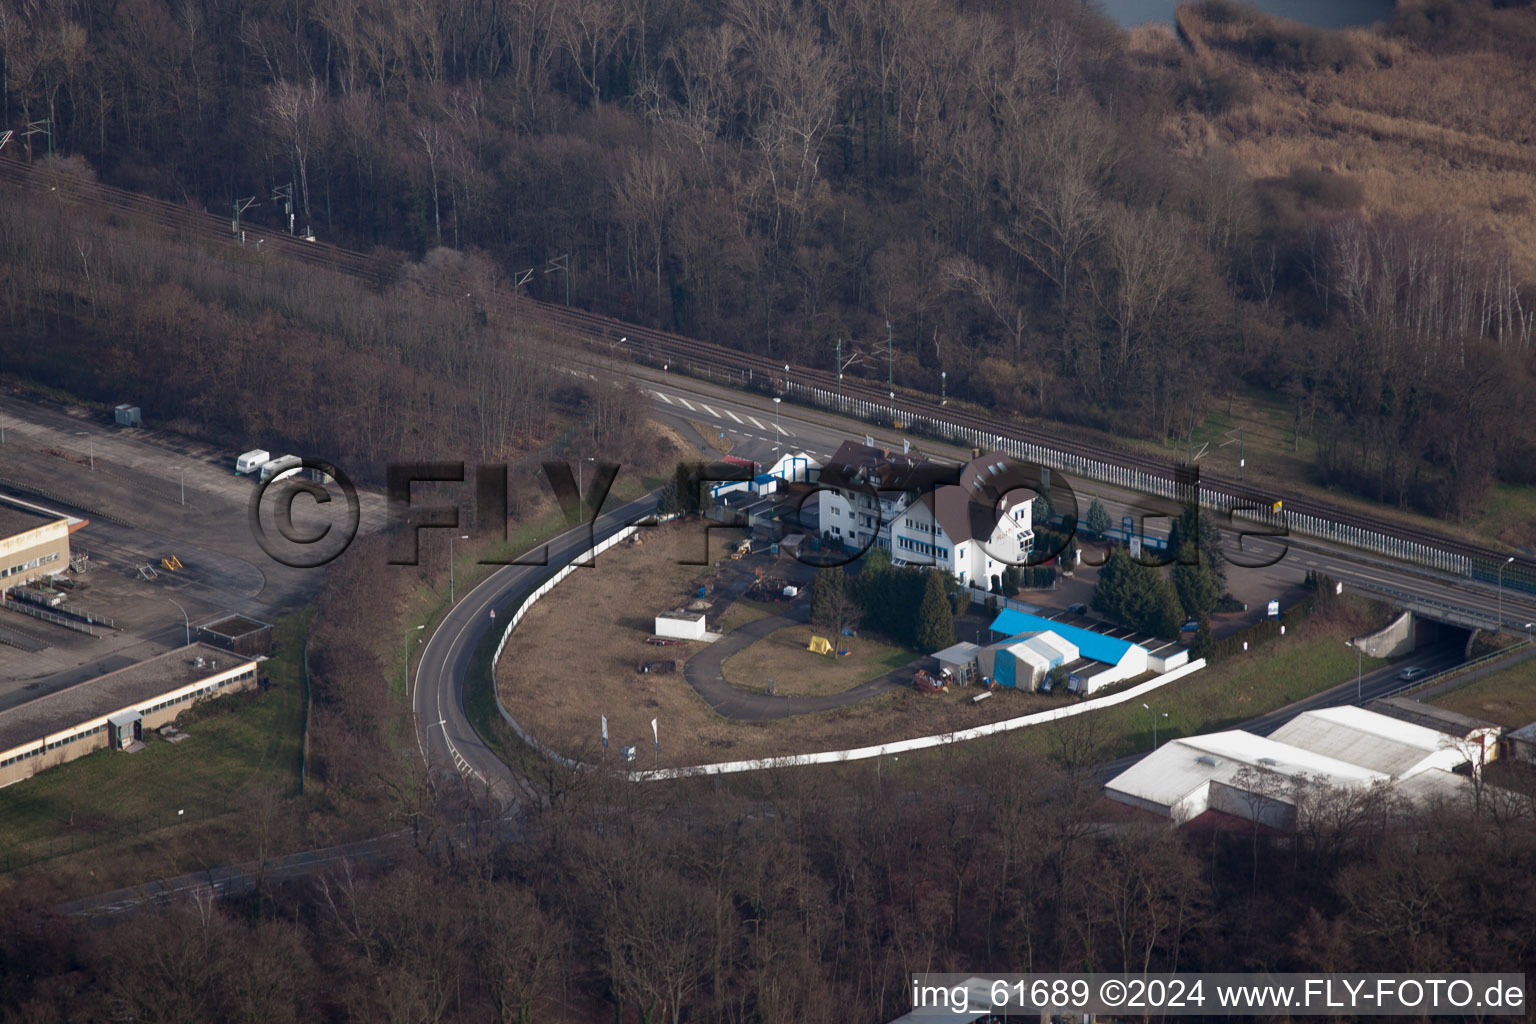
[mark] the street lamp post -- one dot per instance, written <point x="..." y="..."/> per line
<point x="1359" y="679"/>
<point x="462" y="536"/>
<point x="581" y="501"/>
<point x="184" y="621"/>
<point x="1155" y="716"/>
<point x="408" y="660"/>
<point x="777" y="433"/>
<point x="943" y="387"/>
<point x="1499" y="626"/>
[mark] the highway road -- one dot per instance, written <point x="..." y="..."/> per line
<point x="444" y="734"/>
<point x="759" y="429"/>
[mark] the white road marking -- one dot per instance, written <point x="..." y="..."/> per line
<point x="781" y="430"/>
<point x="709" y="410"/>
<point x="686" y="404"/>
<point x="733" y="416"/>
<point x="663" y="397"/>
<point x="757" y="423"/>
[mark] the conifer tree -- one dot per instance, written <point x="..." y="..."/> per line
<point x="935" y="621"/>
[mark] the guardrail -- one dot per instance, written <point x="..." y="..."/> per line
<point x="1457" y="614"/>
<point x="517" y="617"/>
<point x="1446" y="675"/>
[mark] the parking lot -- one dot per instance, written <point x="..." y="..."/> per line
<point x="151" y="498"/>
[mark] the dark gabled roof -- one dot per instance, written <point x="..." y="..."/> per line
<point x="961" y="518"/>
<point x="857" y="465"/>
<point x="971" y="510"/>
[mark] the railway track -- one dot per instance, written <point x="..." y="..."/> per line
<point x="601" y="334"/>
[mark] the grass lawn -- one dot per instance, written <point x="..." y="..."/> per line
<point x="1221" y="696"/>
<point x="783" y="657"/>
<point x="742" y="611"/>
<point x="240" y="745"/>
<point x="1311" y="659"/>
<point x="1508" y="697"/>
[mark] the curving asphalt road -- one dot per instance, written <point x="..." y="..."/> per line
<point x="443" y="731"/>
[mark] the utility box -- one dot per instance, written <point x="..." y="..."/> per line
<point x="128" y="416"/>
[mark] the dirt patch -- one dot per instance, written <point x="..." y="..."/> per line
<point x="573" y="659"/>
<point x="716" y="438"/>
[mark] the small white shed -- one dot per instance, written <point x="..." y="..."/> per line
<point x="680" y="625"/>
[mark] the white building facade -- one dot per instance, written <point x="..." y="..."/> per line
<point x="975" y="529"/>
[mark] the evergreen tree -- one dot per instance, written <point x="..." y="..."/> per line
<point x="959" y="594"/>
<point x="1205" y="640"/>
<point x="1137" y="595"/>
<point x="876" y="559"/>
<point x="1040" y="509"/>
<point x="681" y="494"/>
<point x="1198" y="527"/>
<point x="1109" y="596"/>
<point x="1164" y="616"/>
<point x="1011" y="581"/>
<point x="935" y="627"/>
<point x="1192" y="580"/>
<point x="1098" y="518"/>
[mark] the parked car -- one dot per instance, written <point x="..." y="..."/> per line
<point x="1411" y="673"/>
<point x="1077" y="609"/>
<point x="1190" y="625"/>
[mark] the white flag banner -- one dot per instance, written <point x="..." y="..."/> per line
<point x="656" y="738"/>
<point x="605" y="732"/>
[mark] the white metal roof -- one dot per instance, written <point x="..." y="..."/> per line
<point x="958" y="654"/>
<point x="1374" y="741"/>
<point x="681" y="616"/>
<point x="1432" y="786"/>
<point x="1182" y="766"/>
<point x="1052" y="643"/>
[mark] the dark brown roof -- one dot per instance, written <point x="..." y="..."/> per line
<point x="970" y="511"/>
<point x="16" y="519"/>
<point x="859" y="465"/>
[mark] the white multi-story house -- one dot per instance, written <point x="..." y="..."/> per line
<point x="976" y="529"/>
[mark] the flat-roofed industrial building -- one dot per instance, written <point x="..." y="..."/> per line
<point x="34" y="541"/>
<point x="112" y="710"/>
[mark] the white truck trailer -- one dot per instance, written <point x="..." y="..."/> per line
<point x="252" y="461"/>
<point x="285" y="465"/>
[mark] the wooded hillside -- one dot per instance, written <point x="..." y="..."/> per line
<point x="1000" y="187"/>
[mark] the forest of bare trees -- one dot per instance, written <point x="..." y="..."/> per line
<point x="988" y="179"/>
<point x="242" y="345"/>
<point x="799" y="900"/>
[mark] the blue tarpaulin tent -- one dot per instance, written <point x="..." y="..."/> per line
<point x="1091" y="645"/>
